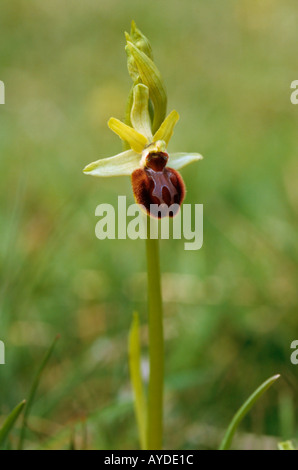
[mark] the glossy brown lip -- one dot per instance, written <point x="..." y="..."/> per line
<point x="164" y="188"/>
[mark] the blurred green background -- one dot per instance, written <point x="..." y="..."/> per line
<point x="230" y="308"/>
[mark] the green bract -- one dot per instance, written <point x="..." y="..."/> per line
<point x="137" y="38"/>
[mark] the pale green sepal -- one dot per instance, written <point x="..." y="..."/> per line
<point x="165" y="131"/>
<point x="136" y="140"/>
<point x="139" y="116"/>
<point x="151" y="77"/>
<point x="179" y="160"/>
<point x="122" y="164"/>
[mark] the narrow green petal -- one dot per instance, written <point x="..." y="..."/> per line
<point x="179" y="160"/>
<point x="139" y="116"/>
<point x="151" y="77"/>
<point x="136" y="140"/>
<point x="122" y="164"/>
<point x="165" y="131"/>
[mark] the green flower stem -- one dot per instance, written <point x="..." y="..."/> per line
<point x="156" y="346"/>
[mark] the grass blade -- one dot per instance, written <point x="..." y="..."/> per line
<point x="134" y="350"/>
<point x="33" y="391"/>
<point x="238" y="417"/>
<point x="10" y="421"/>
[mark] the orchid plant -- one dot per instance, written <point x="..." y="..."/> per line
<point x="146" y="134"/>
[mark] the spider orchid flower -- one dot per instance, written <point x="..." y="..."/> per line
<point x="154" y="183"/>
<point x="159" y="190"/>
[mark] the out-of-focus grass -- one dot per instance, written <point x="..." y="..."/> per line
<point x="228" y="68"/>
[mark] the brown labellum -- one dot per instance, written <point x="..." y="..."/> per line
<point x="158" y="188"/>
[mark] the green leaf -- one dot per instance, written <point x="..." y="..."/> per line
<point x="238" y="417"/>
<point x="33" y="391"/>
<point x="10" y="421"/>
<point x="134" y="350"/>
